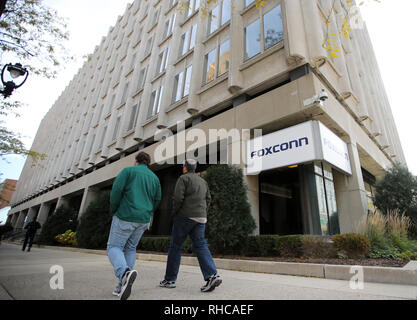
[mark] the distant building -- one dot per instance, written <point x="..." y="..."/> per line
<point x="328" y="130"/>
<point x="7" y="188"/>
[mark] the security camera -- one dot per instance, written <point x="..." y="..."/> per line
<point x="323" y="96"/>
<point x="317" y="99"/>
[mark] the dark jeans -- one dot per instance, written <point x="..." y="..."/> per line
<point x="29" y="237"/>
<point x="182" y="227"/>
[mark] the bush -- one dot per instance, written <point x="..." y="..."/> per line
<point x="61" y="220"/>
<point x="289" y="246"/>
<point x="229" y="218"/>
<point x="4" y="229"/>
<point x="318" y="247"/>
<point x="67" y="238"/>
<point x="93" y="231"/>
<point x="260" y="246"/>
<point x="161" y="244"/>
<point x="353" y="245"/>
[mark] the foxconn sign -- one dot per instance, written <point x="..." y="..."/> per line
<point x="306" y="142"/>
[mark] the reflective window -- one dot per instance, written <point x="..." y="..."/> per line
<point x="210" y="66"/>
<point x="252" y="39"/>
<point x="273" y="29"/>
<point x="224" y="57"/>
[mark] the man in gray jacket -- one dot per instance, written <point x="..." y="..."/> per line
<point x="190" y="203"/>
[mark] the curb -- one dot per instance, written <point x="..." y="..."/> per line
<point x="406" y="275"/>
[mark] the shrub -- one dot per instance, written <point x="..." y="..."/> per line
<point x="229" y="218"/>
<point x="61" y="220"/>
<point x="67" y="238"/>
<point x="93" y="231"/>
<point x="374" y="228"/>
<point x="4" y="229"/>
<point x="260" y="246"/>
<point x="354" y="245"/>
<point x="161" y="244"/>
<point x="289" y="246"/>
<point x="318" y="247"/>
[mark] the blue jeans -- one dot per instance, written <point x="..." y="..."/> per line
<point x="182" y="227"/>
<point x="121" y="247"/>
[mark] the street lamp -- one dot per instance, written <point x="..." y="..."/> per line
<point x="15" y="71"/>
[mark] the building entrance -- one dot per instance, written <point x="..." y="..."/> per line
<point x="280" y="202"/>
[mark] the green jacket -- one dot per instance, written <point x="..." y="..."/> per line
<point x="135" y="195"/>
<point x="191" y="197"/>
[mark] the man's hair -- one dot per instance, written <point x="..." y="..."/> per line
<point x="143" y="158"/>
<point x="191" y="165"/>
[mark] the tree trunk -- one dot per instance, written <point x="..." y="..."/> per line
<point x="2" y="6"/>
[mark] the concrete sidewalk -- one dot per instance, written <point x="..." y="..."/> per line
<point x="27" y="276"/>
<point x="405" y="276"/>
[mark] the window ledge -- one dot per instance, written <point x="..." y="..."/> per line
<point x="214" y="82"/>
<point x="145" y="57"/>
<point x="129" y="132"/>
<point x="248" y="8"/>
<point x="137" y="92"/>
<point x="189" y="18"/>
<point x="170" y="9"/>
<point x="148" y="121"/>
<point x="184" y="56"/>
<point x="175" y="105"/>
<point x="153" y="27"/>
<point x="260" y="56"/>
<point x="158" y="76"/>
<point x="165" y="39"/>
<point x="215" y="33"/>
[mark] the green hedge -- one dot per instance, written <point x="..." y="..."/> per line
<point x="161" y="244"/>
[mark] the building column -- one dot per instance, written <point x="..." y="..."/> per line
<point x="20" y="220"/>
<point x="90" y="194"/>
<point x="351" y="198"/>
<point x="32" y="214"/>
<point x="43" y="213"/>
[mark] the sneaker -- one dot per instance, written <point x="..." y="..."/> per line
<point x="127" y="282"/>
<point x="167" y="284"/>
<point x="212" y="283"/>
<point x="116" y="292"/>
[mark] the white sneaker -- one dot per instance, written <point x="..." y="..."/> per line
<point x="212" y="283"/>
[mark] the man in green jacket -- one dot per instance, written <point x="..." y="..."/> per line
<point x="135" y="195"/>
<point x="190" y="203"/>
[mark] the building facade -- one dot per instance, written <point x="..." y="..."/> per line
<point x="167" y="70"/>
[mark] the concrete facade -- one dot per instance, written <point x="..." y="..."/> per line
<point x="127" y="90"/>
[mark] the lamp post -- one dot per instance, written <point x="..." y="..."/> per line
<point x="16" y="71"/>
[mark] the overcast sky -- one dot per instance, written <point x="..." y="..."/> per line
<point x="389" y="24"/>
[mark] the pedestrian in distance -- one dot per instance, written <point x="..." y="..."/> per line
<point x="31" y="229"/>
<point x="191" y="200"/>
<point x="135" y="195"/>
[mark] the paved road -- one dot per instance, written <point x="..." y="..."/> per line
<point x="27" y="276"/>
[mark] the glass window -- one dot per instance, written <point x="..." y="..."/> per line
<point x="273" y="29"/>
<point x="152" y="104"/>
<point x="224" y="57"/>
<point x="125" y="91"/>
<point x="210" y="66"/>
<point x="133" y="117"/>
<point x="214" y="20"/>
<point x="187" y="81"/>
<point x="248" y="2"/>
<point x="226" y="11"/>
<point x="177" y="86"/>
<point x="142" y="76"/>
<point x="192" y="36"/>
<point x="90" y="148"/>
<point x="116" y="128"/>
<point x="321" y="197"/>
<point x="103" y="136"/>
<point x="148" y="46"/>
<point x="252" y="39"/>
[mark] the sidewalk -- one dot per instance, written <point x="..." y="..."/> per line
<point x="406" y="275"/>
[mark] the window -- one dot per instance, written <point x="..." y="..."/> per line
<point x="188" y="40"/>
<point x="172" y="3"/>
<point x="213" y="63"/>
<point x="133" y="61"/>
<point x="142" y="77"/>
<point x="252" y="39"/>
<point x="169" y="26"/>
<point x="219" y="16"/>
<point x="248" y="2"/>
<point x="182" y="84"/>
<point x="133" y="116"/>
<point x="155" y="103"/>
<point x="102" y="137"/>
<point x="224" y="57"/>
<point x="111" y="103"/>
<point x="125" y="92"/>
<point x="148" y="47"/>
<point x="90" y="147"/>
<point x="209" y="66"/>
<point x="272" y="33"/>
<point x="192" y="5"/>
<point x="116" y="128"/>
<point x="155" y="18"/>
<point x="162" y="61"/>
<point x="273" y="29"/>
